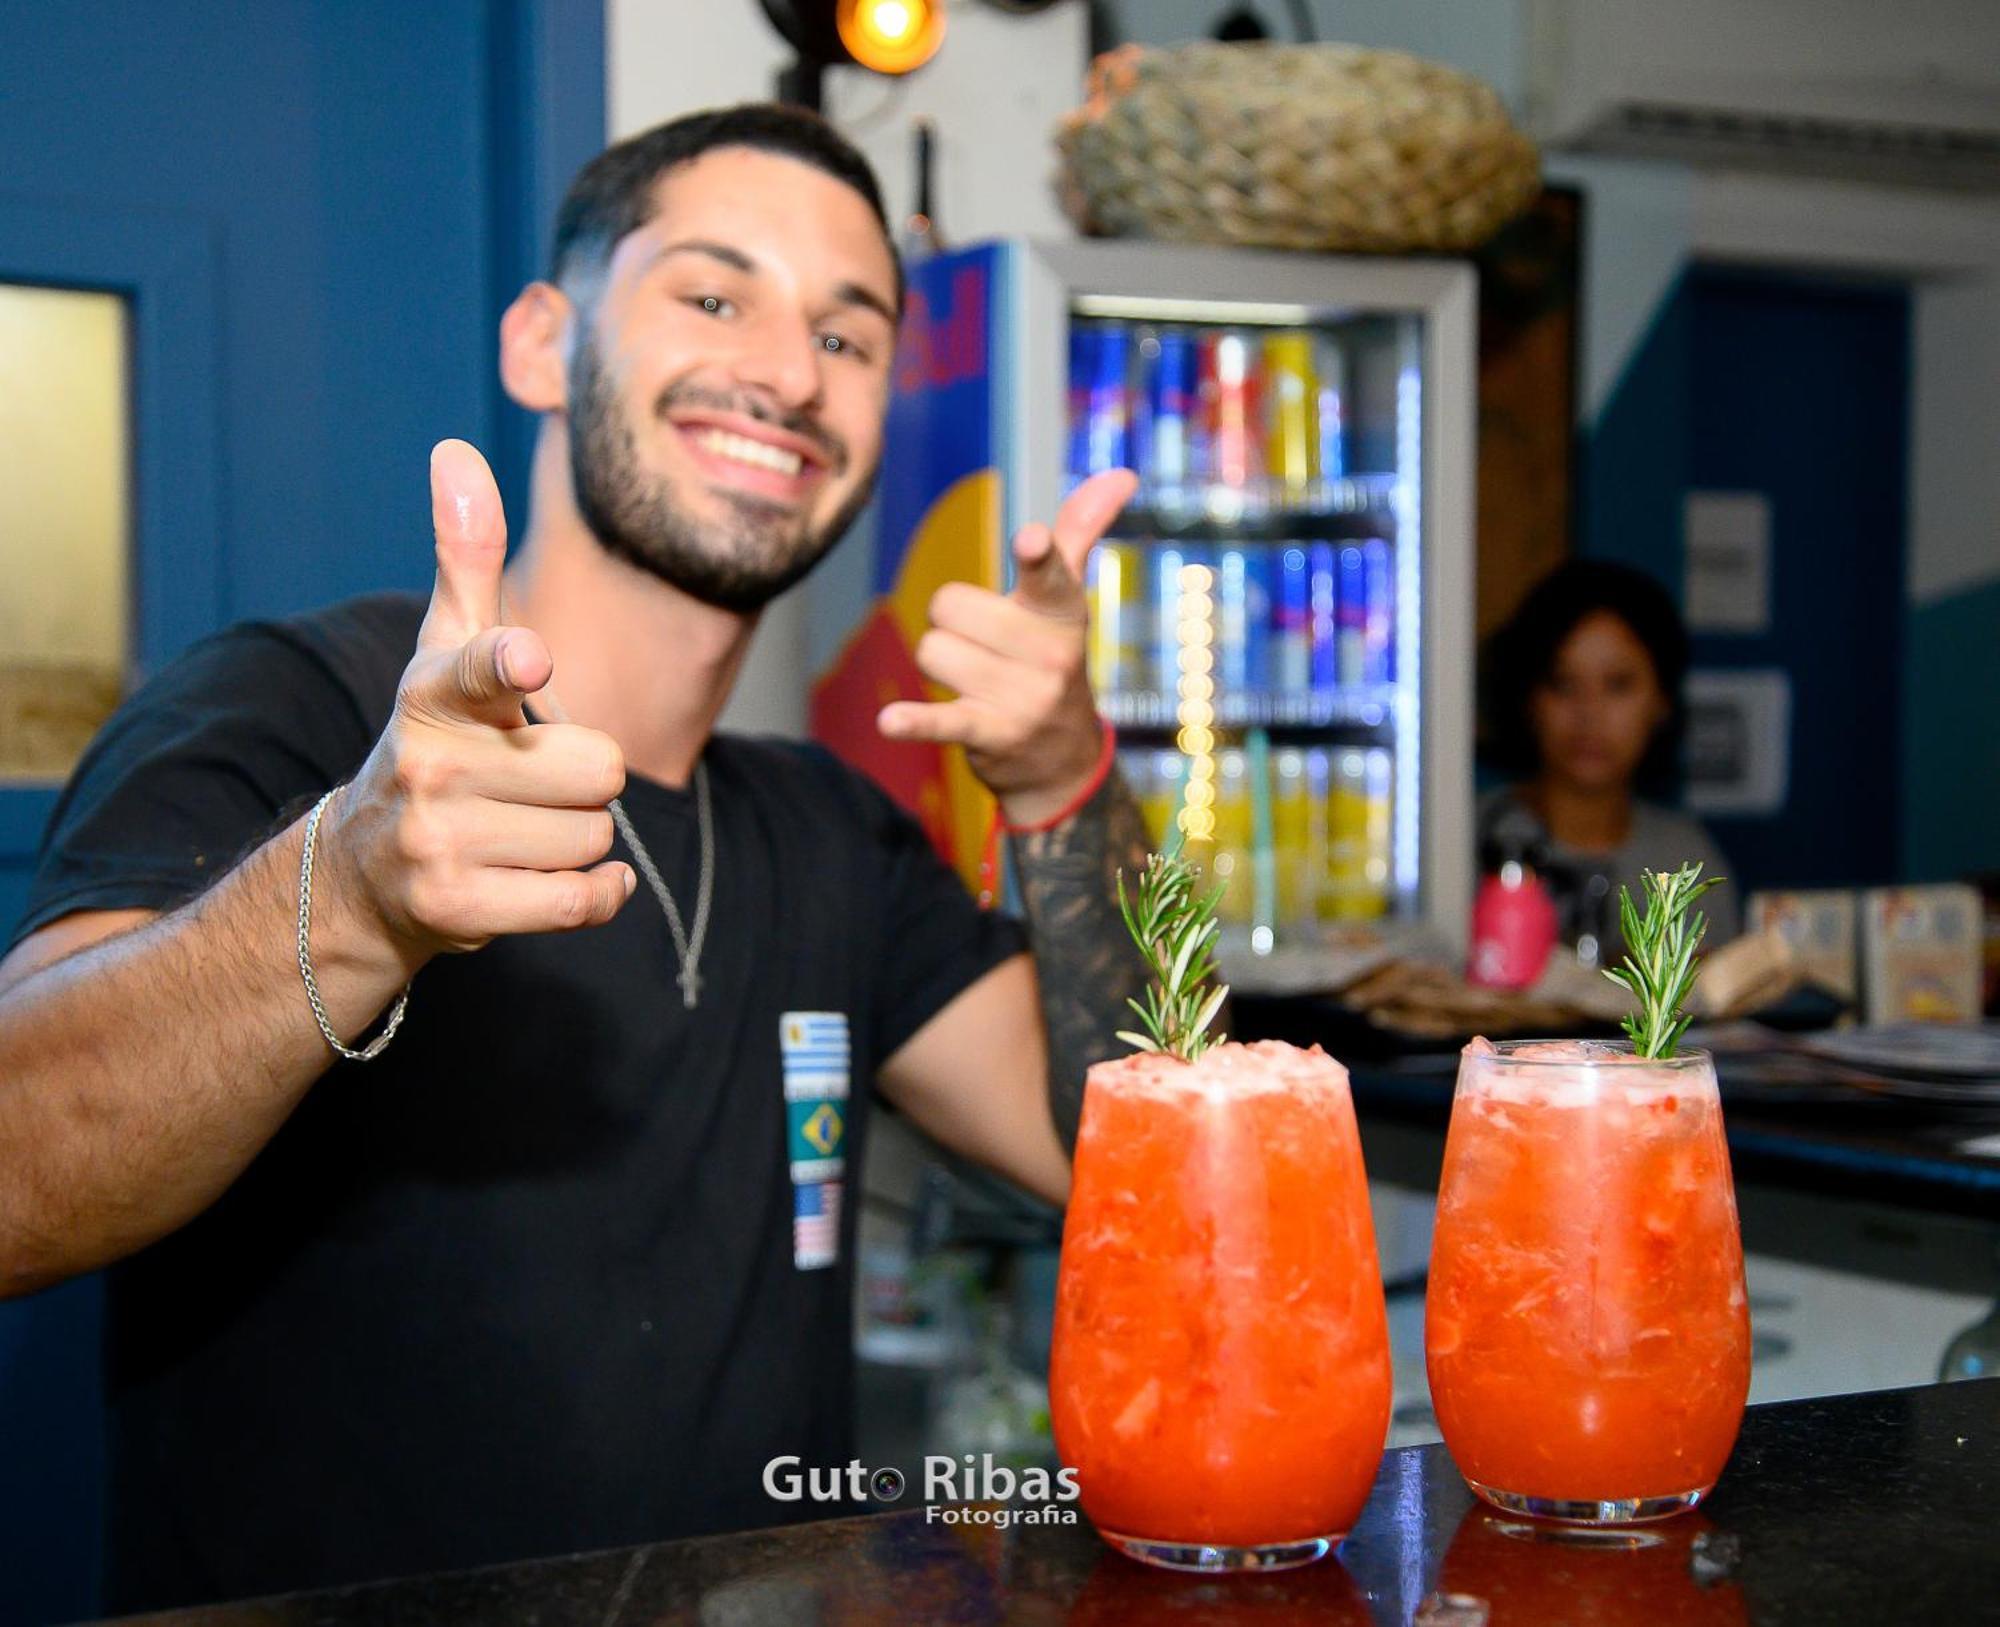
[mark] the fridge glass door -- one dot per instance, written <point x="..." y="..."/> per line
<point x="1256" y="615"/>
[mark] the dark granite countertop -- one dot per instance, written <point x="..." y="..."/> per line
<point x="1869" y="1509"/>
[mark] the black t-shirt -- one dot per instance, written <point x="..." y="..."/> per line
<point x="564" y="1267"/>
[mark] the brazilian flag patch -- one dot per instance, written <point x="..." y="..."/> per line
<point x="816" y="1056"/>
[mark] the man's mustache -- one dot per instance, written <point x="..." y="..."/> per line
<point x="830" y="446"/>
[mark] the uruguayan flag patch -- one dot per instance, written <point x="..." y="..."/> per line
<point x="814" y="1052"/>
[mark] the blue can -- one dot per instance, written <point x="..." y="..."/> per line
<point x="1243" y="621"/>
<point x="1378" y="630"/>
<point x="1291" y="624"/>
<point x="1082" y="368"/>
<point x="1100" y="355"/>
<point x="1351" y="620"/>
<point x="1108" y="412"/>
<point x="1321" y="567"/>
<point x="1170" y="405"/>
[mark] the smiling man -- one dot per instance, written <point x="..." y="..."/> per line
<point x="566" y="1260"/>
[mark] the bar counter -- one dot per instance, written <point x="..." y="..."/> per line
<point x="1872" y="1508"/>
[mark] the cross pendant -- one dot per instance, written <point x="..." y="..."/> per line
<point x="690" y="982"/>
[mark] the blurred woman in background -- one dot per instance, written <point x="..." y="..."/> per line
<point x="1580" y="697"/>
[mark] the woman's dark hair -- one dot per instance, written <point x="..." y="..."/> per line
<point x="1521" y="656"/>
<point x="616" y="192"/>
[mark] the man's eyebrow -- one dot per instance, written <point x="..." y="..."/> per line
<point x="735" y="259"/>
<point x="852" y="293"/>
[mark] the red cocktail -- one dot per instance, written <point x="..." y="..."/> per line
<point x="1586" y="1331"/>
<point x="1220" y="1376"/>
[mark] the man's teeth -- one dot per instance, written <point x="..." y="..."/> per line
<point x="741" y="449"/>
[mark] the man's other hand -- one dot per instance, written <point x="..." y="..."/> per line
<point x="1023" y="710"/>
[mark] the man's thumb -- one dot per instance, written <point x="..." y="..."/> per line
<point x="471" y="534"/>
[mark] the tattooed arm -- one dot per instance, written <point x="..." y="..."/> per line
<point x="991" y="1085"/>
<point x="1085" y="960"/>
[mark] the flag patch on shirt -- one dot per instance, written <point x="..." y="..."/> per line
<point x="815" y="1224"/>
<point x="815" y="1056"/>
<point x="815" y="1136"/>
<point x="814" y="1053"/>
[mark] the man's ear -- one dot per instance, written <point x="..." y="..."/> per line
<point x="534" y="348"/>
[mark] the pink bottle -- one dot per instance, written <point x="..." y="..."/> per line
<point x="1513" y="927"/>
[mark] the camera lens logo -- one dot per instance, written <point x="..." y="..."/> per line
<point x="886" y="1484"/>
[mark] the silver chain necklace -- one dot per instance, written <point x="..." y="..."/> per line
<point x="686" y="944"/>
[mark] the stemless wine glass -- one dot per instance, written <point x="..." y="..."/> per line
<point x="1220" y="1378"/>
<point x="1586" y="1331"/>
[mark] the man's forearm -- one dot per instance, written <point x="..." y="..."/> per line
<point x="139" y="1076"/>
<point x="1085" y="960"/>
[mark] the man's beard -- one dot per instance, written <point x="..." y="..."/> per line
<point x="740" y="562"/>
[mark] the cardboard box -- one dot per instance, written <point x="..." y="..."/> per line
<point x="1921" y="949"/>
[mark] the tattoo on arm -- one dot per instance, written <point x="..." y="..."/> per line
<point x="1085" y="960"/>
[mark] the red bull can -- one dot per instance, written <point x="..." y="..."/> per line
<point x="1291" y="625"/>
<point x="1321" y="570"/>
<point x="1235" y="423"/>
<point x="1352" y="620"/>
<point x="1243" y="621"/>
<point x="1378" y="630"/>
<point x="1171" y="391"/>
<point x="1100" y="416"/>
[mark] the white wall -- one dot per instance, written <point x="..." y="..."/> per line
<point x="668" y="57"/>
<point x="994" y="92"/>
<point x="1482" y="37"/>
<point x="1637" y="221"/>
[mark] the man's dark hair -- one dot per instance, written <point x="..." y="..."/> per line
<point x="1521" y="656"/>
<point x="616" y="192"/>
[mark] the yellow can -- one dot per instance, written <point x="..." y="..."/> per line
<point x="1291" y="386"/>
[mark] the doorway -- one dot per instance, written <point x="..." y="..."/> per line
<point x="1799" y="426"/>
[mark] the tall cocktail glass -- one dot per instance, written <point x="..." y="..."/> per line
<point x="1220" y="1373"/>
<point x="1586" y="1330"/>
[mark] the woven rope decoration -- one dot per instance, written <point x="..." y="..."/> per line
<point x="1293" y="146"/>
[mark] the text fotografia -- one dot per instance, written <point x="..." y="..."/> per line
<point x="948" y="1481"/>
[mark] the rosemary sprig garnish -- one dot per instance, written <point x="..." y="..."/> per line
<point x="1175" y="931"/>
<point x="1660" y="948"/>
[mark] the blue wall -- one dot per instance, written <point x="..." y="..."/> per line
<point x="358" y="186"/>
<point x="1951" y="738"/>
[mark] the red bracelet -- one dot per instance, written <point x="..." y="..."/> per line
<point x="1099" y="773"/>
<point x="989" y="858"/>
